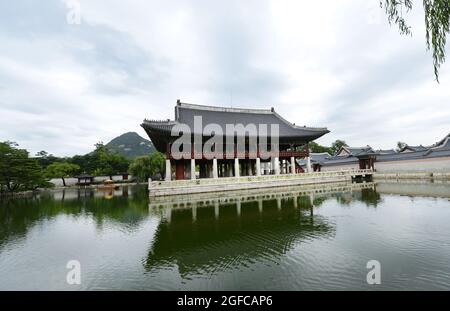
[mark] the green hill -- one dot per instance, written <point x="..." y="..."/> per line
<point x="131" y="145"/>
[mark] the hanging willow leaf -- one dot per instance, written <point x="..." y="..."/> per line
<point x="437" y="14"/>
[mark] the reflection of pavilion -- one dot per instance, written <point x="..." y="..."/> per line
<point x="218" y="237"/>
<point x="228" y="232"/>
<point x="201" y="199"/>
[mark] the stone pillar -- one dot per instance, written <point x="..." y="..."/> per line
<point x="168" y="171"/>
<point x="215" y="172"/>
<point x="192" y="168"/>
<point x="308" y="164"/>
<point x="236" y="167"/>
<point x="258" y="167"/>
<point x="292" y="165"/>
<point x="276" y="164"/>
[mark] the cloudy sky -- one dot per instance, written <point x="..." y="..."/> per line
<point x="65" y="86"/>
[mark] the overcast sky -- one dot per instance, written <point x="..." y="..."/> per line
<point x="64" y="87"/>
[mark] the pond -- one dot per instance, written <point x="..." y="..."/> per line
<point x="317" y="238"/>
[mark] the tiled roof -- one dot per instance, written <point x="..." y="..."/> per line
<point x="220" y="115"/>
<point x="386" y="151"/>
<point x="319" y="158"/>
<point x="413" y="148"/>
<point x="289" y="133"/>
<point x="401" y="156"/>
<point x="357" y="150"/>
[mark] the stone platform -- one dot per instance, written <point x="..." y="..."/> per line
<point x="220" y="185"/>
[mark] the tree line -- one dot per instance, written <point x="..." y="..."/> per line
<point x="19" y="171"/>
<point x="333" y="149"/>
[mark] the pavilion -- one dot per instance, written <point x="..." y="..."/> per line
<point x="272" y="155"/>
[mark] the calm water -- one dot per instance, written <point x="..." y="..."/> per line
<point x="285" y="239"/>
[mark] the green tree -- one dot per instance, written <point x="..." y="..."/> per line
<point x="146" y="167"/>
<point x="316" y="148"/>
<point x="19" y="172"/>
<point x="101" y="162"/>
<point x="437" y="14"/>
<point x="61" y="170"/>
<point x="45" y="159"/>
<point x="108" y="163"/>
<point x="337" y="145"/>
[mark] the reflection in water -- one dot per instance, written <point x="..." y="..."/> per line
<point x="206" y="233"/>
<point x="306" y="237"/>
<point x="415" y="187"/>
<point x="367" y="195"/>
<point x="17" y="216"/>
<point x="213" y="237"/>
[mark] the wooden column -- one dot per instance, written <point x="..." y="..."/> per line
<point x="179" y="173"/>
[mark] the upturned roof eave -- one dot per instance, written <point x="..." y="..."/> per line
<point x="166" y="126"/>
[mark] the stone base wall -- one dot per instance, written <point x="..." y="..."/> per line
<point x="165" y="188"/>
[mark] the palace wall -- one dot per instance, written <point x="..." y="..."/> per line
<point x="338" y="167"/>
<point x="430" y="165"/>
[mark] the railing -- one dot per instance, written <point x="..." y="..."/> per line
<point x="190" y="200"/>
<point x="262" y="178"/>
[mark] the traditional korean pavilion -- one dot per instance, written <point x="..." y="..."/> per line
<point x="291" y="143"/>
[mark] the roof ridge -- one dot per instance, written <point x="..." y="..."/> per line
<point x="365" y="147"/>
<point x="225" y="109"/>
<point x="247" y="110"/>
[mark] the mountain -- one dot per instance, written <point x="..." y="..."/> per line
<point x="131" y="145"/>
